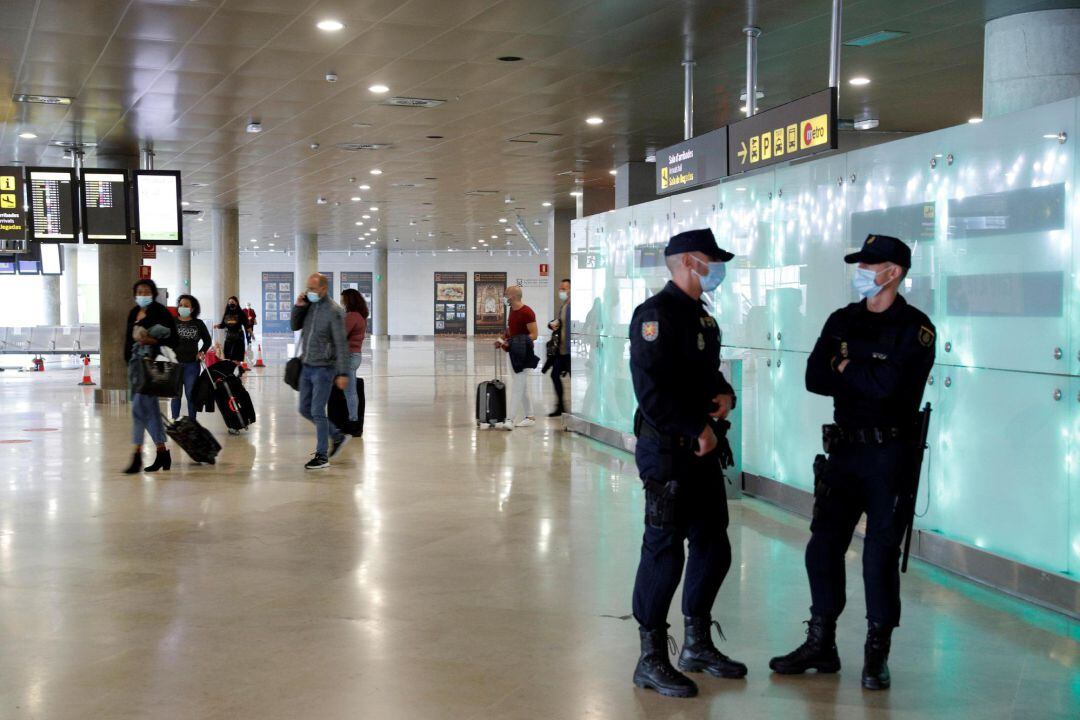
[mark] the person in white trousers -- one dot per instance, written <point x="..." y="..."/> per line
<point x="518" y="341"/>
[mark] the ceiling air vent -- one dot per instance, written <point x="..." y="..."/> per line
<point x="358" y="146"/>
<point x="413" y="102"/>
<point x="482" y="193"/>
<point x="533" y="138"/>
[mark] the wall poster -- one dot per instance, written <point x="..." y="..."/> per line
<point x="451" y="303"/>
<point x="490" y="313"/>
<point x="277" y="302"/>
<point x="330" y="286"/>
<point x="361" y="281"/>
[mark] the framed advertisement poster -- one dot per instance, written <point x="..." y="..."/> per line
<point x="451" y="303"/>
<point x="277" y="301"/>
<point x="489" y="316"/>
<point x="361" y="282"/>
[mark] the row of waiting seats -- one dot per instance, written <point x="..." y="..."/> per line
<point x="50" y="340"/>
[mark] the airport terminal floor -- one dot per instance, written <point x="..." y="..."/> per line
<point x="434" y="571"/>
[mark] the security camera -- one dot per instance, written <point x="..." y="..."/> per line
<point x="331" y="77"/>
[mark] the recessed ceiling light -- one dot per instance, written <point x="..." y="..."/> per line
<point x="378" y="88"/>
<point x="185" y="203"/>
<point x="373" y="209"/>
<point x="975" y="120"/>
<point x="546" y="204"/>
<point x="365" y="187"/>
<point x="509" y="230"/>
<point x="366" y="217"/>
<point x="355" y="199"/>
<point x="576" y="193"/>
<point x="473" y="247"/>
<point x="613" y="172"/>
<point x="376" y="171"/>
<point x="28" y="135"/>
<point x="254" y="127"/>
<point x="271" y="244"/>
<point x="330" y="25"/>
<point x="502" y="220"/>
<point x="595" y="120"/>
<point x="359" y="223"/>
<point x="859" y="81"/>
<point x="494" y="237"/>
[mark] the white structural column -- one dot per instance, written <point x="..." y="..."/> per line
<point x="50" y="297"/>
<point x="69" y="288"/>
<point x="1030" y="59"/>
<point x="225" y="243"/>
<point x="379" y="294"/>
<point x="307" y="259"/>
<point x="183" y="271"/>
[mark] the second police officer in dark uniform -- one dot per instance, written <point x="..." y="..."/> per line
<point x="873" y="359"/>
<point x="682" y="396"/>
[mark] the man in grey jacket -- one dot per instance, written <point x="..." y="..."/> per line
<point x="325" y="357"/>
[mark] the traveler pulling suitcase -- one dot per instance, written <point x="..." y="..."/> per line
<point x="198" y="442"/>
<point x="491" y="399"/>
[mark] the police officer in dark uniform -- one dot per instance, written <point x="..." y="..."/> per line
<point x="873" y="358"/>
<point x="683" y="399"/>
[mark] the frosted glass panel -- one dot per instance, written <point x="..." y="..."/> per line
<point x="756" y="398"/>
<point x="797" y="420"/>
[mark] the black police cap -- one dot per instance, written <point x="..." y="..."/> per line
<point x="882" y="248"/>
<point x="701" y="241"/>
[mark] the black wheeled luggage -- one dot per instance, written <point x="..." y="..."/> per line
<point x="337" y="410"/>
<point x="491" y="399"/>
<point x="198" y="442"/>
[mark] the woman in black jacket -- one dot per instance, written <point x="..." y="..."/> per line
<point x="192" y="342"/>
<point x="234" y="323"/>
<point x="150" y="326"/>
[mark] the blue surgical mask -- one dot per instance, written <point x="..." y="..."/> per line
<point x="183" y="312"/>
<point x="313" y="297"/>
<point x="865" y="282"/>
<point x="715" y="276"/>
<point x="143" y="300"/>
<point x="563" y="295"/>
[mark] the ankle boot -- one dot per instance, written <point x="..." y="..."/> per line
<point x="875" y="673"/>
<point x="699" y="654"/>
<point x="136" y="464"/>
<point x="818" y="652"/>
<point x="654" y="670"/>
<point x="163" y="461"/>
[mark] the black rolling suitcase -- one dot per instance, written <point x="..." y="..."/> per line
<point x="491" y="399"/>
<point x="198" y="442"/>
<point x="337" y="409"/>
<point x="231" y="397"/>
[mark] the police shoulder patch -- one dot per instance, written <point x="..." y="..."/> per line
<point x="650" y="330"/>
<point x="926" y="336"/>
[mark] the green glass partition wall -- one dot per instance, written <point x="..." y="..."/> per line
<point x="991" y="211"/>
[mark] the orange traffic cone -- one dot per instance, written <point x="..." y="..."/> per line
<point x="258" y="358"/>
<point x="86" y="371"/>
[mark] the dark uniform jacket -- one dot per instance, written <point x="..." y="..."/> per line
<point x="890" y="355"/>
<point x="675" y="362"/>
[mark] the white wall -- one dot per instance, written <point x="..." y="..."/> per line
<point x="412" y="286"/>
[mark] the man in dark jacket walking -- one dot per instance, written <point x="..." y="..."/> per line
<point x="325" y="355"/>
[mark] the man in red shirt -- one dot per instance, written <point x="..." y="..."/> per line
<point x="518" y="341"/>
<point x="249" y="316"/>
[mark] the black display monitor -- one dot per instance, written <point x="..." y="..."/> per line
<point x="105" y="206"/>
<point x="53" y="205"/>
<point x="52" y="259"/>
<point x="158" y="216"/>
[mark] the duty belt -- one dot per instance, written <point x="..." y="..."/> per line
<point x="861" y="436"/>
<point x="643" y="429"/>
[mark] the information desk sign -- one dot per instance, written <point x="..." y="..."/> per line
<point x="693" y="162"/>
<point x="798" y="129"/>
<point x="12" y="204"/>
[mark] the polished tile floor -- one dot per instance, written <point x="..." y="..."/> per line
<point x="435" y="571"/>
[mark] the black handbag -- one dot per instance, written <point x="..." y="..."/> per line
<point x="159" y="378"/>
<point x="292" y="372"/>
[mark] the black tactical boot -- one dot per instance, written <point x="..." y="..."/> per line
<point x="654" y="670"/>
<point x="875" y="672"/>
<point x="700" y="655"/>
<point x="818" y="652"/>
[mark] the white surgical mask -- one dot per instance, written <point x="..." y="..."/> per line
<point x="563" y="295"/>
<point x="865" y="282"/>
<point x="183" y="312"/>
<point x="313" y="297"/>
<point x="143" y="300"/>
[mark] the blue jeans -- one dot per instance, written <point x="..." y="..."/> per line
<point x="315" y="385"/>
<point x="146" y="418"/>
<point x="189" y="371"/>
<point x="352" y="400"/>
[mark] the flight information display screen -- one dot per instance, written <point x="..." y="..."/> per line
<point x="157" y="207"/>
<point x="105" y="206"/>
<point x="52" y="205"/>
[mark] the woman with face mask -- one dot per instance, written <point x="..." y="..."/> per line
<point x="235" y="325"/>
<point x="192" y="342"/>
<point x="150" y="326"/>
